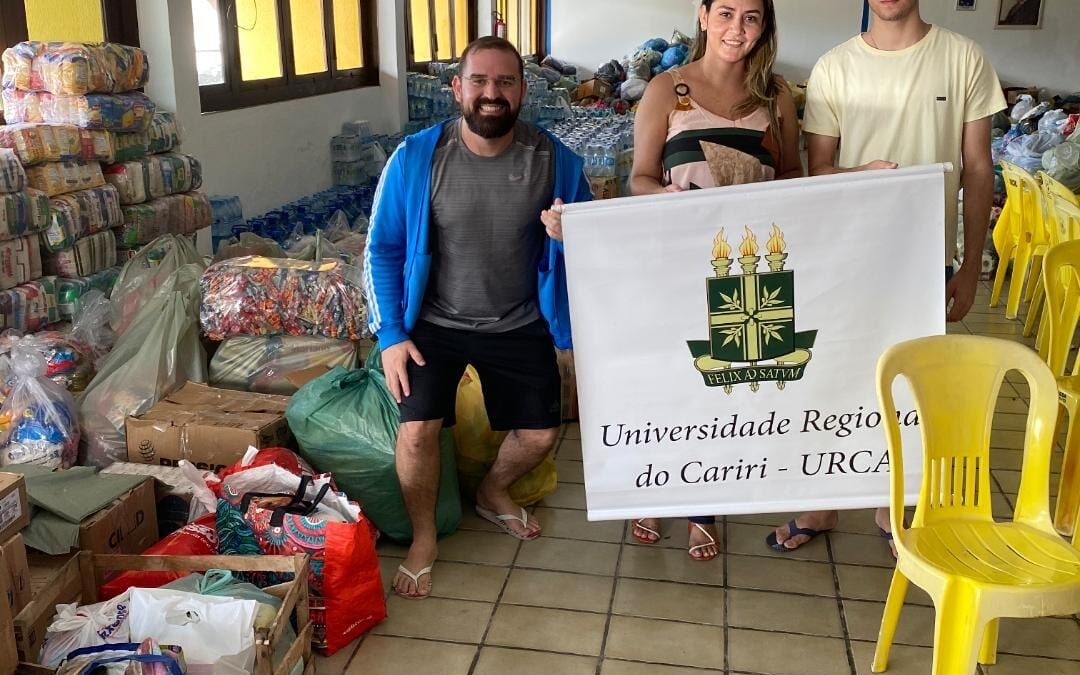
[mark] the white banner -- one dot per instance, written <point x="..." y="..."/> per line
<point x="735" y="372"/>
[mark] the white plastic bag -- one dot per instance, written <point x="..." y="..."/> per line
<point x="1024" y="104"/>
<point x="76" y="627"/>
<point x="203" y="500"/>
<point x="217" y="634"/>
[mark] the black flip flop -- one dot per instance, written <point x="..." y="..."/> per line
<point x="793" y="531"/>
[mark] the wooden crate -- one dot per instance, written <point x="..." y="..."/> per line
<point x="78" y="581"/>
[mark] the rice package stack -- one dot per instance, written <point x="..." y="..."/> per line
<point x="37" y="143"/>
<point x="75" y="69"/>
<point x="129" y="112"/>
<point x="184" y="213"/>
<point x="68" y="291"/>
<point x="30" y="307"/>
<point x="129" y="147"/>
<point x="81" y="213"/>
<point x="57" y="178"/>
<point x="164" y="133"/>
<point x="269" y="296"/>
<point x="154" y="177"/>
<point x="23" y="213"/>
<point x="88" y="256"/>
<point x="20" y="261"/>
<point x="12" y="176"/>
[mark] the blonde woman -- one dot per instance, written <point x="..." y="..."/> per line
<point x="723" y="119"/>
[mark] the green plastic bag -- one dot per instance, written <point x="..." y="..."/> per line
<point x="346" y="423"/>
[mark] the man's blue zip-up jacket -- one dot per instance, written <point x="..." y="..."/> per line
<point x="398" y="256"/>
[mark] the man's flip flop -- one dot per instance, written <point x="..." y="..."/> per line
<point x="693" y="549"/>
<point x="501" y="519"/>
<point x="636" y="525"/>
<point x="416" y="580"/>
<point x="793" y="531"/>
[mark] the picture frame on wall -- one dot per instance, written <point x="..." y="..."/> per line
<point x="965" y="5"/>
<point x="1020" y="14"/>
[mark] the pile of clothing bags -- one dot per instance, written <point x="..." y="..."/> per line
<point x="1037" y="137"/>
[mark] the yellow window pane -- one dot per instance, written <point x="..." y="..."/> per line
<point x="442" y="30"/>
<point x="461" y="26"/>
<point x="513" y="23"/>
<point x="534" y="29"/>
<point x="65" y="20"/>
<point x="260" y="48"/>
<point x="308" y="36"/>
<point x="420" y="25"/>
<point x="348" y="42"/>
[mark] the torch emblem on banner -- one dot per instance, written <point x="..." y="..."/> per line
<point x="752" y="336"/>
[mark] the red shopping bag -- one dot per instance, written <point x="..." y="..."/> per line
<point x="345" y="583"/>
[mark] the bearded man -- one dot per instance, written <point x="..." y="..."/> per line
<point x="460" y="270"/>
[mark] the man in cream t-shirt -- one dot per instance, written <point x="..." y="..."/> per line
<point x="906" y="93"/>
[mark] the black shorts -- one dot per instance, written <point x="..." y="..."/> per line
<point x="518" y="371"/>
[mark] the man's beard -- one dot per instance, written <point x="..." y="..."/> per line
<point x="491" y="126"/>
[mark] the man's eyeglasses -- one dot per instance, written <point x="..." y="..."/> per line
<point x="504" y="83"/>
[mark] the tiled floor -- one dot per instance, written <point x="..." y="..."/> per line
<point x="585" y="600"/>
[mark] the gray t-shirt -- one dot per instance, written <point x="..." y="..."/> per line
<point x="486" y="234"/>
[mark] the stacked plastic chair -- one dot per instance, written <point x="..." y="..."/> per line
<point x="976" y="570"/>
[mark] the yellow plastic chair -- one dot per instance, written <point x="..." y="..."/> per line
<point x="975" y="570"/>
<point x="1050" y="191"/>
<point x="1062" y="282"/>
<point x="1026" y="230"/>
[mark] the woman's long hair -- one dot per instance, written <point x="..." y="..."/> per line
<point x="762" y="86"/>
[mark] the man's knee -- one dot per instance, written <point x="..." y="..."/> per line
<point x="538" y="440"/>
<point x="419" y="437"/>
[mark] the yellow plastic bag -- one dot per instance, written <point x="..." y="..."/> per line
<point x="478" y="446"/>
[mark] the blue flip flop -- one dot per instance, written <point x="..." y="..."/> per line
<point x="793" y="531"/>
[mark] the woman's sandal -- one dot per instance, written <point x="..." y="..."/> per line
<point x="655" y="536"/>
<point x="712" y="542"/>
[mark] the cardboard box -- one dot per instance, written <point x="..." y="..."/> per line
<point x="211" y="428"/>
<point x="592" y="89"/>
<point x="14" y="507"/>
<point x="13" y="552"/>
<point x="9" y="655"/>
<point x="128" y="525"/>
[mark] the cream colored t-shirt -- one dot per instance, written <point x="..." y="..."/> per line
<point x="907" y="106"/>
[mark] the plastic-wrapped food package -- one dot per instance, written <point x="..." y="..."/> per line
<point x="90" y="326"/>
<point x="156" y="355"/>
<point x="23" y="213"/>
<point x="129" y="147"/>
<point x="37" y="143"/>
<point x="89" y="255"/>
<point x="38" y="424"/>
<point x="154" y="177"/>
<point x="145" y="272"/>
<point x="12" y="176"/>
<point x="249" y="244"/>
<point x="70" y="292"/>
<point x="57" y="178"/>
<point x="69" y="363"/>
<point x="81" y="213"/>
<point x="143" y="223"/>
<point x="267" y="296"/>
<point x="29" y="307"/>
<point x="184" y="213"/>
<point x="20" y="261"/>
<point x="75" y="68"/>
<point x="263" y="364"/>
<point x="164" y="134"/>
<point x="116" y="112"/>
